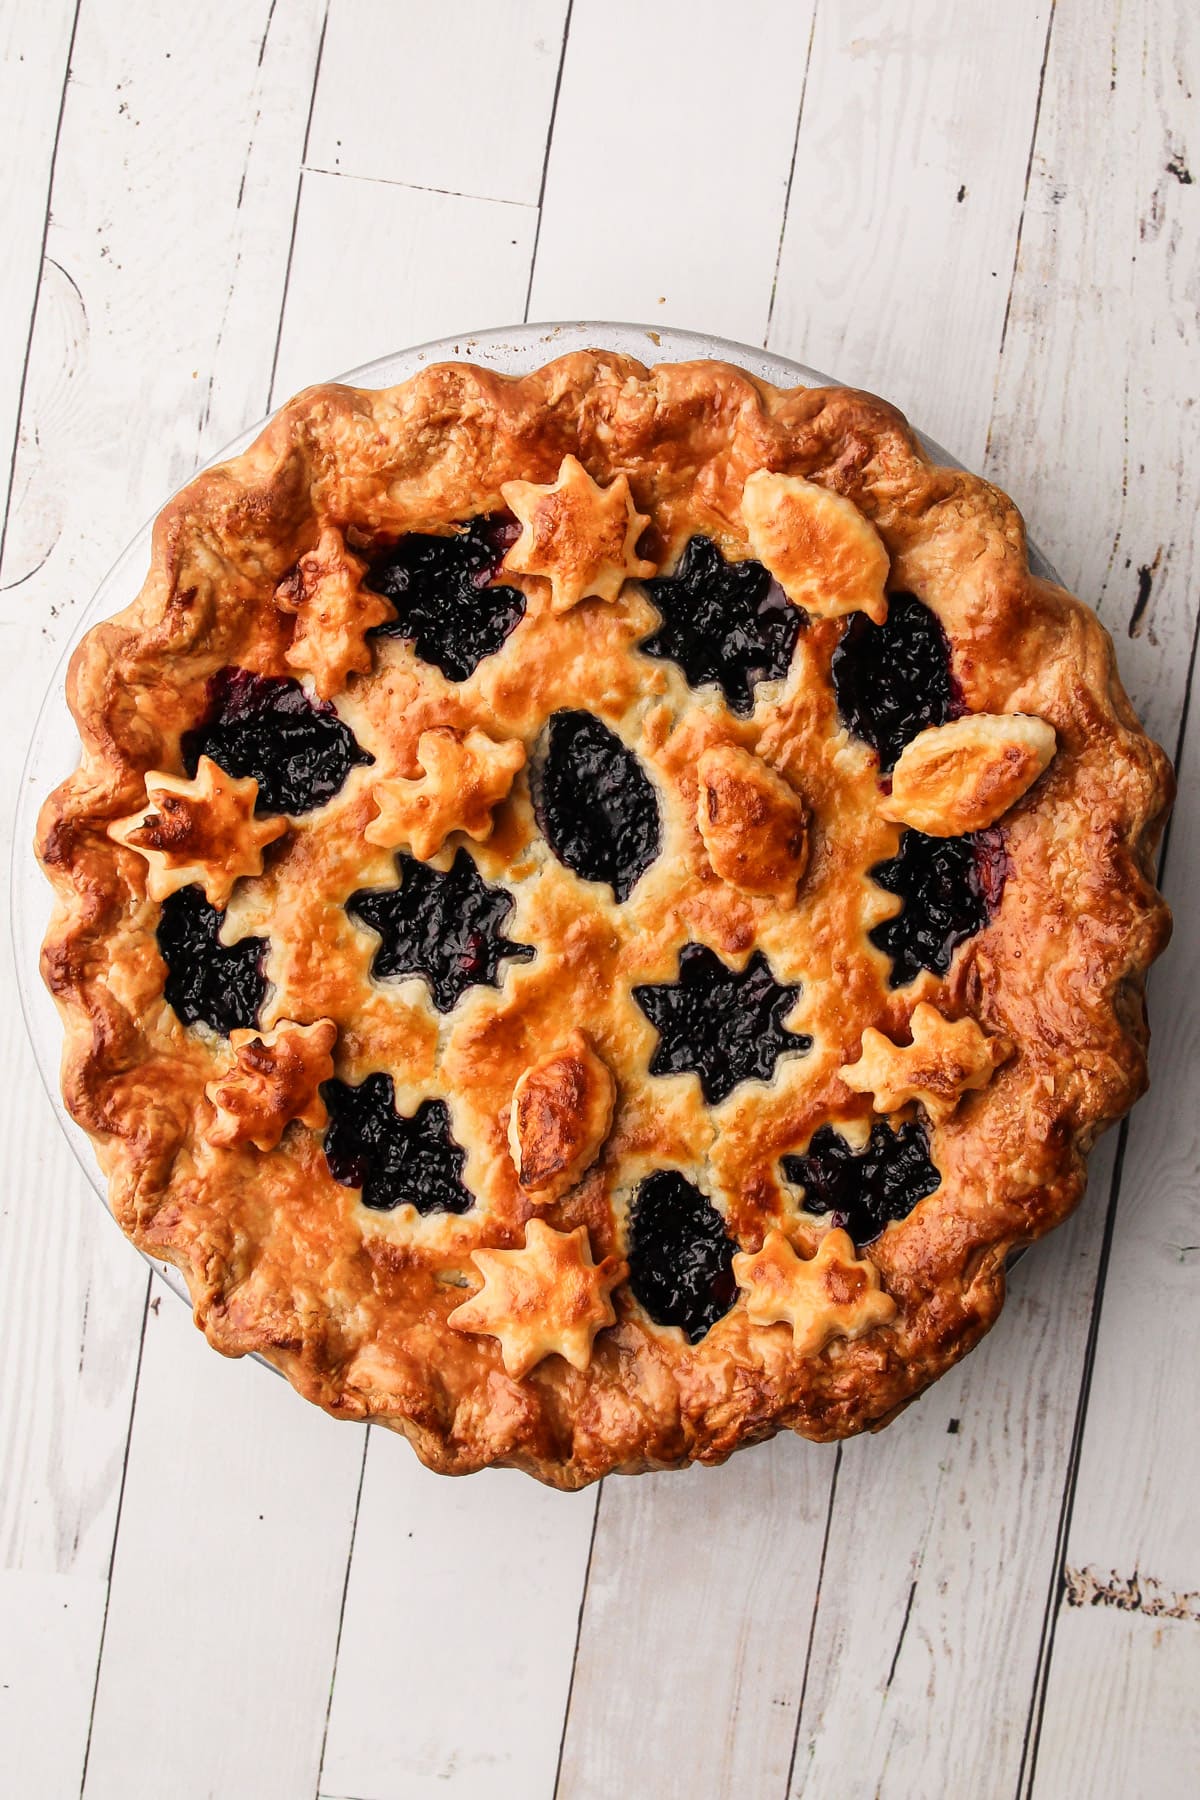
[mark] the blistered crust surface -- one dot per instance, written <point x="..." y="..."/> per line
<point x="353" y="1305"/>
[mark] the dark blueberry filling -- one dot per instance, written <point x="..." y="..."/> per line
<point x="445" y="927"/>
<point x="220" y="984"/>
<point x="595" y="804"/>
<point x="865" y="1190"/>
<point x="440" y="589"/>
<point x="894" y="679"/>
<point x="394" y="1160"/>
<point x="297" y="748"/>
<point x="950" y="888"/>
<point x="680" y="1258"/>
<point x="725" y="1026"/>
<point x="723" y="622"/>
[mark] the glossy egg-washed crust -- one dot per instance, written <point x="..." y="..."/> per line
<point x="352" y="1305"/>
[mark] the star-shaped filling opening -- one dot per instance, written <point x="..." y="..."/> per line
<point x="333" y="614"/>
<point x="297" y="748"/>
<point x="201" y="831"/>
<point x="944" y="1060"/>
<point x="547" y="1299"/>
<point x="441" y="925"/>
<point x="832" y="1294"/>
<point x="441" y="588"/>
<point x="680" y="1255"/>
<point x="728" y="623"/>
<point x="580" y="536"/>
<point x="963" y="776"/>
<point x="824" y="554"/>
<point x="595" y="803"/>
<point x="393" y="1159"/>
<point x="208" y="982"/>
<point x="272" y="1078"/>
<point x="722" y="1024"/>
<point x="865" y="1190"/>
<point x="950" y="888"/>
<point x="466" y="776"/>
<point x="754" y="826"/>
<point x="894" y="679"/>
<point x="562" y="1108"/>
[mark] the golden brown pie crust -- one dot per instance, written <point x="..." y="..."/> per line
<point x="353" y="1305"/>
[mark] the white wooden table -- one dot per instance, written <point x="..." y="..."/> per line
<point x="984" y="211"/>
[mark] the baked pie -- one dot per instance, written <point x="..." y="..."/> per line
<point x="597" y="909"/>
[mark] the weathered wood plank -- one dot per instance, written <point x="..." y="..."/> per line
<point x="677" y="218"/>
<point x="906" y="201"/>
<point x="454" y="97"/>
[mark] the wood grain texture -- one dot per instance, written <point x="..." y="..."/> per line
<point x="906" y="201"/>
<point x="668" y="167"/>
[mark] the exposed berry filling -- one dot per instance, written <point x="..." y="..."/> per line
<point x="440" y="587"/>
<point x="680" y="1258"/>
<point x="894" y="679"/>
<point x="221" y="985"/>
<point x="866" y="1189"/>
<point x="950" y="888"/>
<point x="723" y="622"/>
<point x="297" y="748"/>
<point x="396" y="1161"/>
<point x="725" y="1026"/>
<point x="595" y="804"/>
<point x="443" y="926"/>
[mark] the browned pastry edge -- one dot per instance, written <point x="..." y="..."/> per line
<point x="1059" y="972"/>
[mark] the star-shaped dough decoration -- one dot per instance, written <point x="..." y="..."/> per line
<point x="334" y="612"/>
<point x="945" y="1060"/>
<point x="833" y="1294"/>
<point x="562" y="1108"/>
<point x="824" y="554"/>
<point x="547" y="1299"/>
<point x="465" y="778"/>
<point x="580" y="536"/>
<point x="201" y="831"/>
<point x="274" y="1077"/>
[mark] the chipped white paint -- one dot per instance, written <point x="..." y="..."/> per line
<point x="998" y="1595"/>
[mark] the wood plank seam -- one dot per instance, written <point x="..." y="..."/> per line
<point x="1016" y="263"/>
<point x="337" y="1640"/>
<point x="112" y="1555"/>
<point x="1055" y="1598"/>
<point x="812" y="1623"/>
<point x="418" y="187"/>
<point x="787" y="192"/>
<point x="37" y="293"/>
<point x="287" y="273"/>
<point x="562" y="58"/>
<point x="587" y="1570"/>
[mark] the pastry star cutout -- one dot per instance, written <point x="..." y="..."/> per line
<point x="547" y="1299"/>
<point x="833" y="1294"/>
<point x="580" y="536"/>
<point x="201" y="831"/>
<point x="333" y="612"/>
<point x="465" y="779"/>
<point x="275" y="1077"/>
<point x="943" y="1062"/>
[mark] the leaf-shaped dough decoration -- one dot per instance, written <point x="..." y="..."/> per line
<point x="595" y="804"/>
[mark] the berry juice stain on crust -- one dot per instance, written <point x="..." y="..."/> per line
<point x="444" y="926"/>
<point x="595" y="805"/>
<point x="950" y="887"/>
<point x="440" y="587"/>
<point x="396" y="1161"/>
<point x="723" y="622"/>
<point x="297" y="748"/>
<point x="221" y="985"/>
<point x="680" y="1258"/>
<point x="724" y="1026"/>
<point x="865" y="1190"/>
<point x="894" y="679"/>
